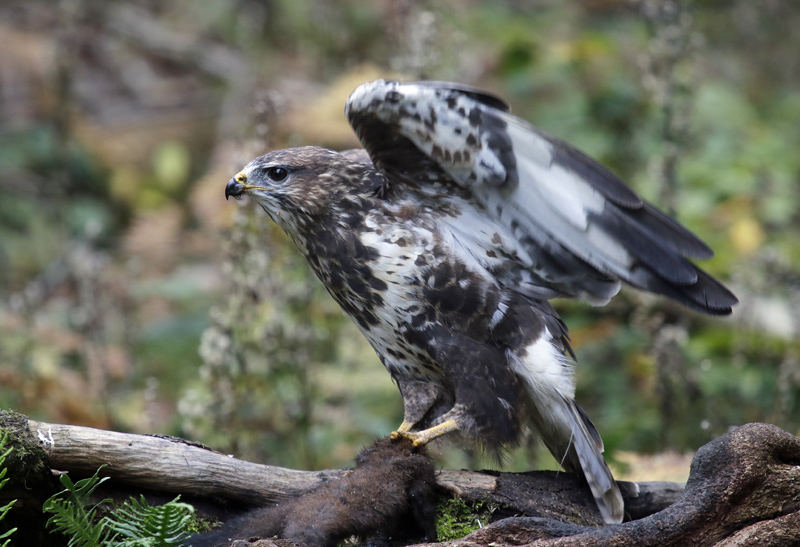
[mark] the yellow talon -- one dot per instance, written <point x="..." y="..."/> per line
<point x="405" y="427"/>
<point x="402" y="431"/>
<point x="419" y="438"/>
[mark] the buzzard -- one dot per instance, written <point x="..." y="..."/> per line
<point x="444" y="238"/>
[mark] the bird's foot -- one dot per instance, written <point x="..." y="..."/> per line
<point x="420" y="438"/>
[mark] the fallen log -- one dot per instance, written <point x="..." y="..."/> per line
<point x="743" y="485"/>
<point x="172" y="465"/>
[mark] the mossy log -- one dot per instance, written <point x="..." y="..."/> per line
<point x="743" y="485"/>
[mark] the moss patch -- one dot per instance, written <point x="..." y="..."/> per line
<point x="27" y="461"/>
<point x="455" y="517"/>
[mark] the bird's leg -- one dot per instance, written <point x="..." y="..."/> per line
<point x="419" y="438"/>
<point x="405" y="427"/>
<point x="418" y="398"/>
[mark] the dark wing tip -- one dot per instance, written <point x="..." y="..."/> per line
<point x="706" y="295"/>
<point x="679" y="236"/>
<point x="713" y="297"/>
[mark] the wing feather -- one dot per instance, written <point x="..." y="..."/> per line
<point x="578" y="229"/>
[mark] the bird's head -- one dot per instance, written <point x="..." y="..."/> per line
<point x="298" y="187"/>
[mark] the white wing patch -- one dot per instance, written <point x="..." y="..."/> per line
<point x="550" y="195"/>
<point x="475" y="235"/>
<point x="556" y="187"/>
<point x="545" y="369"/>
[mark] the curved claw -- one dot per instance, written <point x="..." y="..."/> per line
<point x="411" y="436"/>
<point x="420" y="438"/>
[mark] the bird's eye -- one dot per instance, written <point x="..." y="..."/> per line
<point x="277" y="173"/>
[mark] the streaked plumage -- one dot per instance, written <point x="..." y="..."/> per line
<point x="444" y="241"/>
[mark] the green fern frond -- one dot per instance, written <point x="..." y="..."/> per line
<point x="133" y="524"/>
<point x="73" y="516"/>
<point x="145" y="525"/>
<point x="3" y="480"/>
<point x="3" y="456"/>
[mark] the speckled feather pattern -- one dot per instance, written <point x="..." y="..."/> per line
<point x="435" y="317"/>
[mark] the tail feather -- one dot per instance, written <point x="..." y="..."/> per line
<point x="574" y="441"/>
<point x="564" y="428"/>
<point x="588" y="447"/>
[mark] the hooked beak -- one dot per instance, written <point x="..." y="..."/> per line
<point x="238" y="186"/>
<point x="234" y="188"/>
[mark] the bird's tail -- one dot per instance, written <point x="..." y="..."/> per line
<point x="574" y="441"/>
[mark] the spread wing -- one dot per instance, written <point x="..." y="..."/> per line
<point x="577" y="229"/>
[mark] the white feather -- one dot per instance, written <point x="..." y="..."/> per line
<point x="545" y="369"/>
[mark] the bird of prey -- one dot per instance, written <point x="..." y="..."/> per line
<point x="444" y="238"/>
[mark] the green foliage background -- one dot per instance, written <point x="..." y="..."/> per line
<point x="133" y="297"/>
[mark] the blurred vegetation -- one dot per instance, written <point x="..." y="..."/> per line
<point x="121" y="122"/>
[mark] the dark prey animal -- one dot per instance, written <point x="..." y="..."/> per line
<point x="390" y="495"/>
<point x="444" y="239"/>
